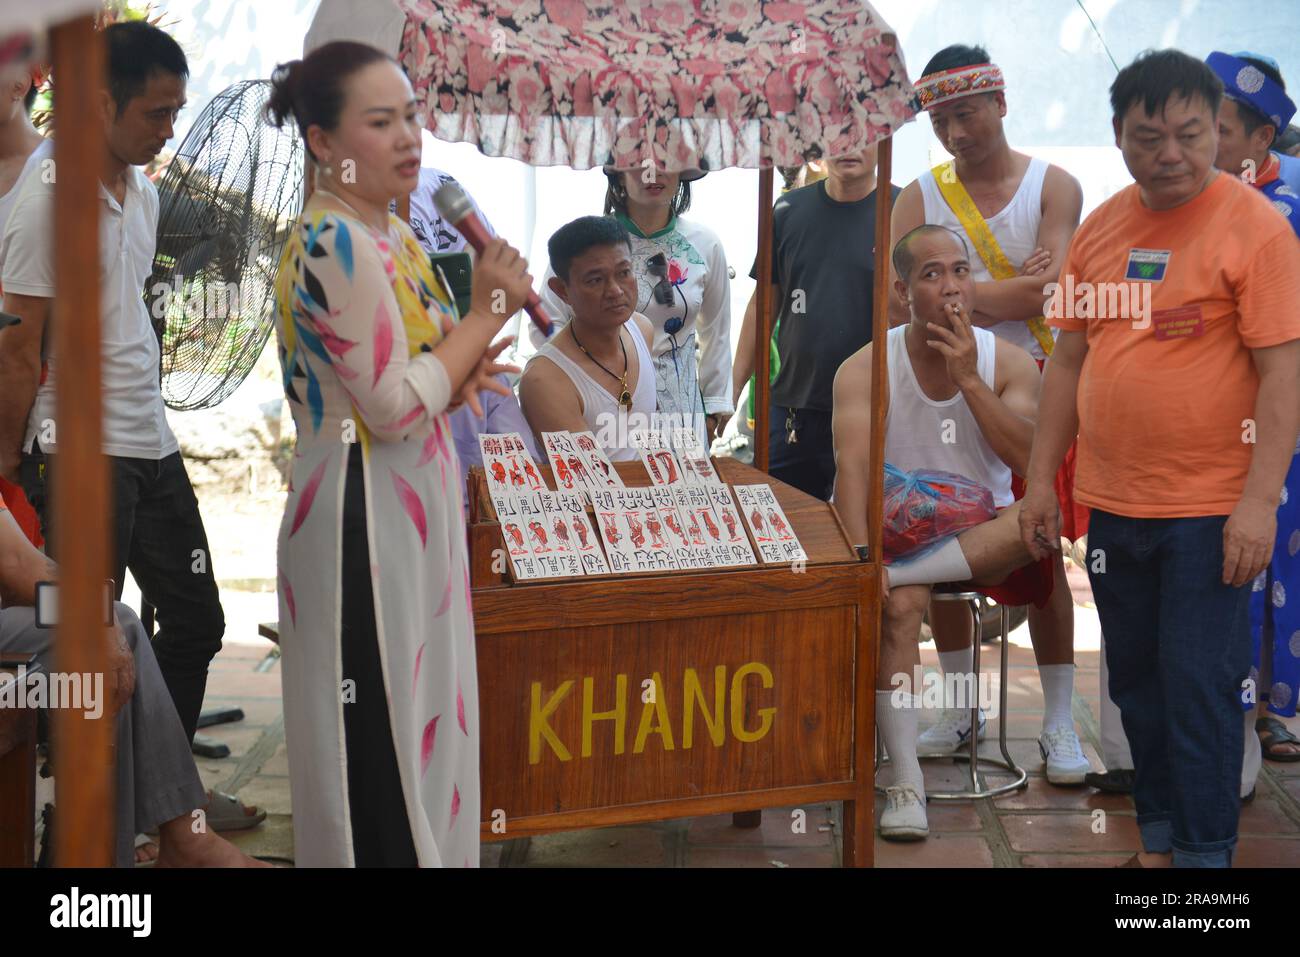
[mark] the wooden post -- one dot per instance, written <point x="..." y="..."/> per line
<point x="859" y="815"/>
<point x="762" y="392"/>
<point x="17" y="767"/>
<point x="763" y="327"/>
<point x="880" y="369"/>
<point x="82" y="758"/>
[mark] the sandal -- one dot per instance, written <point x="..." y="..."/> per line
<point x="1272" y="733"/>
<point x="225" y="813"/>
<point x="143" y="841"/>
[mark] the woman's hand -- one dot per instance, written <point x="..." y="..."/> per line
<point x="484" y="377"/>
<point x="501" y="282"/>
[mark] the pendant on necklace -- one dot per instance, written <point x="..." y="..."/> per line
<point x="625" y="400"/>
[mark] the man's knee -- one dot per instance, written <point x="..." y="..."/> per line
<point x="18" y="632"/>
<point x="906" y="604"/>
<point x="129" y="623"/>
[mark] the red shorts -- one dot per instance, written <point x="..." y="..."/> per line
<point x="22" y="512"/>
<point x="1031" y="584"/>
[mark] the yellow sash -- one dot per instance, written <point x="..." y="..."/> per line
<point x="985" y="243"/>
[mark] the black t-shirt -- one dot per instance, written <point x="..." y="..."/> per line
<point x="823" y="249"/>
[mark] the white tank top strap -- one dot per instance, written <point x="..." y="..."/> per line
<point x="645" y="396"/>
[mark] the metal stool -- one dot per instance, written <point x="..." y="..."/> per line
<point x="962" y="591"/>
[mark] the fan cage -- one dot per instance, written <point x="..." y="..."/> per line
<point x="227" y="202"/>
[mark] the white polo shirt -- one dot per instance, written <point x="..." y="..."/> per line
<point x="135" y="420"/>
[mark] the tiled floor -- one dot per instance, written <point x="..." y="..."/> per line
<point x="1043" y="826"/>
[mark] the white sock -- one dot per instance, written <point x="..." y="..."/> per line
<point x="943" y="564"/>
<point x="1058" y="690"/>
<point x="959" y="662"/>
<point x="1254" y="756"/>
<point x="898" y="729"/>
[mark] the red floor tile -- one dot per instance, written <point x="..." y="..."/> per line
<point x="638" y="846"/>
<point x="939" y="850"/>
<point x="760" y="856"/>
<point x="1265" y="816"/>
<point x="1029" y="833"/>
<point x="1267" y="852"/>
<point x="1075" y="860"/>
<point x="1043" y="796"/>
<point x="774" y="832"/>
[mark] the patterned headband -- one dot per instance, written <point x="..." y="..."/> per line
<point x="1246" y="83"/>
<point x="936" y="88"/>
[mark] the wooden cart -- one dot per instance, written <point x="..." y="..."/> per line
<point x="614" y="699"/>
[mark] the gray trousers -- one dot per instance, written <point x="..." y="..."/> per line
<point x="156" y="777"/>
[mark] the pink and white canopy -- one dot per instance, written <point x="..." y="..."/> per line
<point x="581" y="83"/>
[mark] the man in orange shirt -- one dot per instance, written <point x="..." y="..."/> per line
<point x="1177" y="367"/>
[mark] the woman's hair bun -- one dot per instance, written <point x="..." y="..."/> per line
<point x="285" y="81"/>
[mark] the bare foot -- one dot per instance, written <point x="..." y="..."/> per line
<point x="205" y="849"/>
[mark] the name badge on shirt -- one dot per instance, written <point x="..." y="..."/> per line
<point x="1147" y="265"/>
<point x="1185" y="322"/>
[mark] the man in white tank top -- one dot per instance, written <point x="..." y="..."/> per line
<point x="959" y="400"/>
<point x="596" y="374"/>
<point x="1029" y="209"/>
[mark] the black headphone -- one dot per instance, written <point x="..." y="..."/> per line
<point x="665" y="293"/>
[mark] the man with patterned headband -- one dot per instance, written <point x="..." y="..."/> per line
<point x="1254" y="110"/>
<point x="1018" y="213"/>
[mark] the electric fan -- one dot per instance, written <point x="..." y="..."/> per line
<point x="227" y="202"/>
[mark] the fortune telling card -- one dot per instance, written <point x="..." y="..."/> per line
<point x="632" y="529"/>
<point x="734" y="540"/>
<point x="597" y="462"/>
<point x="697" y="518"/>
<point x="550" y="544"/>
<point x="514" y="531"/>
<point x="558" y="524"/>
<point x="697" y="469"/>
<point x="662" y="466"/>
<point x="508" y="465"/>
<point x="776" y="540"/>
<point x="568" y="464"/>
<point x="582" y="538"/>
<point x="611" y="523"/>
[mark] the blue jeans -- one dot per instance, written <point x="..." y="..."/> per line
<point x="1178" y="649"/>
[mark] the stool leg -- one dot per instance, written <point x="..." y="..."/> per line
<point x="1003" y="692"/>
<point x="975" y="702"/>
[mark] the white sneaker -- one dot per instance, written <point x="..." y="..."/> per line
<point x="904" y="815"/>
<point x="1066" y="763"/>
<point x="948" y="735"/>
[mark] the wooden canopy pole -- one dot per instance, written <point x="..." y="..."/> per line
<point x="879" y="332"/>
<point x="763" y="327"/>
<point x="83" y="767"/>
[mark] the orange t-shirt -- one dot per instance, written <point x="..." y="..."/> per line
<point x="1162" y="408"/>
